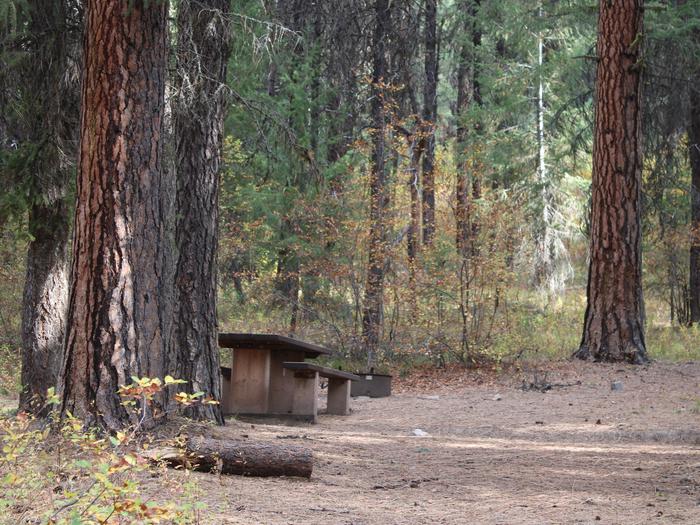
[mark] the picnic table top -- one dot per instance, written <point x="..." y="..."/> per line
<point x="270" y="342"/>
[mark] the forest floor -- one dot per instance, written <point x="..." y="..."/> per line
<point x="495" y="453"/>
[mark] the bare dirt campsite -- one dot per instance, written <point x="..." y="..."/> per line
<point x="494" y="454"/>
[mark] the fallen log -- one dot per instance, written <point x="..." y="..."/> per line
<point x="244" y="458"/>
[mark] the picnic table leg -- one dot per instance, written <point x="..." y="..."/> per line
<point x="338" y="396"/>
<point x="305" y="396"/>
<point x="282" y="382"/>
<point x="226" y="404"/>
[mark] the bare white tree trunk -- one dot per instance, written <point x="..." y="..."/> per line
<point x="551" y="266"/>
<point x="544" y="251"/>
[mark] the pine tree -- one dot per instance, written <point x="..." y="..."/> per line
<point x="118" y="315"/>
<point x="614" y="321"/>
<point x="199" y="111"/>
<point x="374" y="290"/>
<point x="49" y="90"/>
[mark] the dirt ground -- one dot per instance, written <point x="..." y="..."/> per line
<point x="495" y="454"/>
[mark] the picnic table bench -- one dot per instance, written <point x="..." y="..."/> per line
<point x="338" y="384"/>
<point x="259" y="383"/>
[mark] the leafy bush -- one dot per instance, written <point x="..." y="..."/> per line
<point x="82" y="476"/>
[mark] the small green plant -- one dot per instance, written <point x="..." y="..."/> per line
<point x="696" y="406"/>
<point x="88" y="477"/>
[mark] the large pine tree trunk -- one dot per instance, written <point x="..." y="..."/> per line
<point x="199" y="111"/>
<point x="50" y="93"/>
<point x="614" y="321"/>
<point x="694" y="156"/>
<point x="374" y="290"/>
<point x="429" y="120"/>
<point x="118" y="316"/>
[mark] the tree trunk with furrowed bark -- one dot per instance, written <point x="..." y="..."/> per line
<point x="372" y="316"/>
<point x="120" y="296"/>
<point x="50" y="92"/>
<point x="199" y="110"/>
<point x="614" y="321"/>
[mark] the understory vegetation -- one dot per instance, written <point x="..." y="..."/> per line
<point x="83" y="476"/>
<point x="526" y="325"/>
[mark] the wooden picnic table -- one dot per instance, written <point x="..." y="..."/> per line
<point x="259" y="383"/>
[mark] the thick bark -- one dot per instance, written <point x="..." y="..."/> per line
<point x="429" y="120"/>
<point x="50" y="98"/>
<point x="199" y="111"/>
<point x="45" y="299"/>
<point x="119" y="310"/>
<point x="614" y="321"/>
<point x="241" y="457"/>
<point x="374" y="290"/>
<point x="694" y="156"/>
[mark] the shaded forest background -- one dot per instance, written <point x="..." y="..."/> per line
<point x="470" y="243"/>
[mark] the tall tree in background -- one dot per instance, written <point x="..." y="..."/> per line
<point x="6" y="29"/>
<point x="118" y="316"/>
<point x="199" y="109"/>
<point x="544" y="242"/>
<point x="374" y="289"/>
<point x="468" y="90"/>
<point x="415" y="144"/>
<point x="303" y="18"/>
<point x="694" y="156"/>
<point x="50" y="86"/>
<point x="614" y="321"/>
<point x="477" y="100"/>
<point x="408" y="111"/>
<point x="463" y="231"/>
<point x="430" y="119"/>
